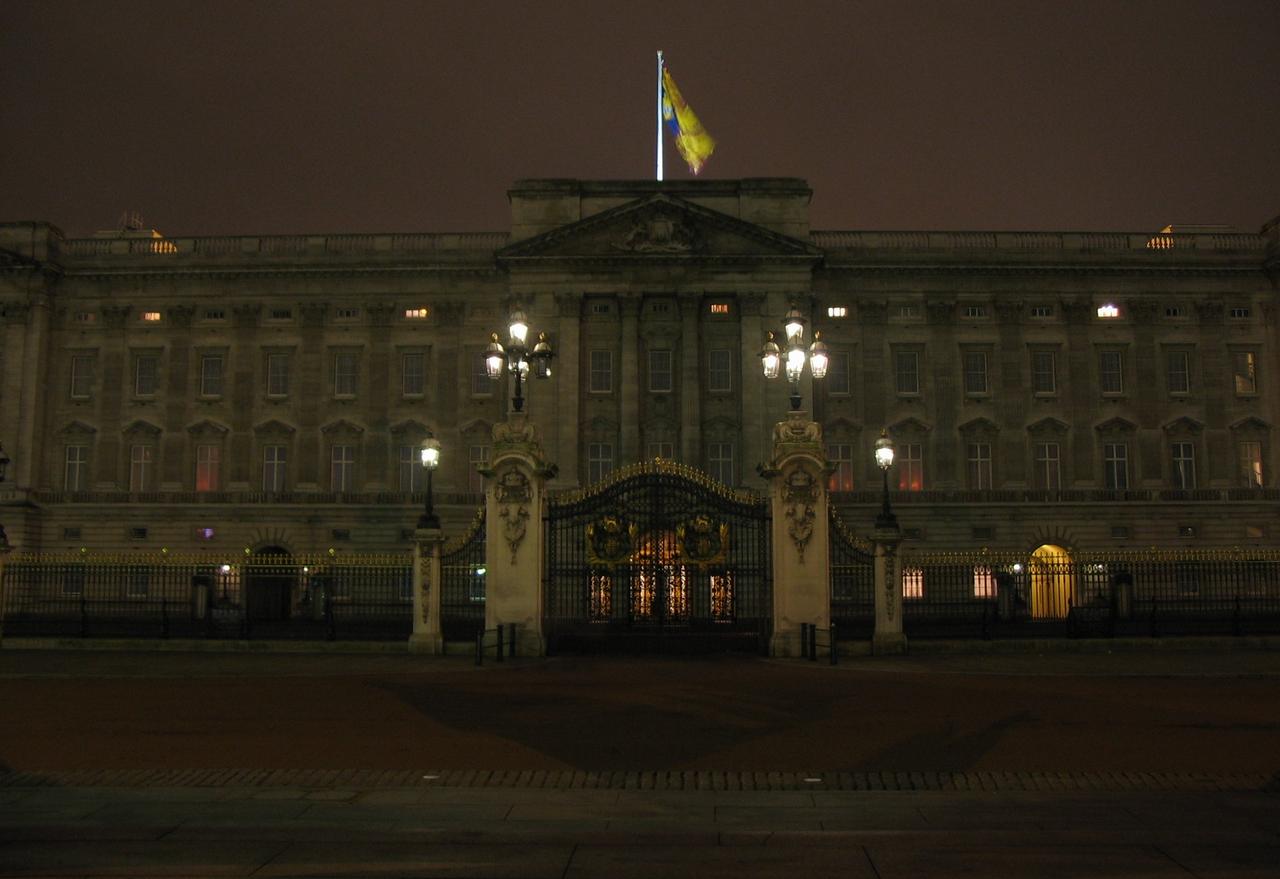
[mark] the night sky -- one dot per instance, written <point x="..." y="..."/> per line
<point x="273" y="117"/>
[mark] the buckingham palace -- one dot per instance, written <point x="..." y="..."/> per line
<point x="1084" y="388"/>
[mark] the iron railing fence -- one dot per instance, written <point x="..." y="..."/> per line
<point x="462" y="583"/>
<point x="170" y="595"/>
<point x="1154" y="592"/>
<point x="853" y="610"/>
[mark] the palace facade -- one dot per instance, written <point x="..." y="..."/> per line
<point x="1082" y="389"/>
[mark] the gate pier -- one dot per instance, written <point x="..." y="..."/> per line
<point x="427" y="636"/>
<point x="797" y="475"/>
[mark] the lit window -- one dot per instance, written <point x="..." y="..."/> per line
<point x="719" y="370"/>
<point x="1184" y="466"/>
<point x="412" y="374"/>
<point x="840" y="460"/>
<point x="719" y="308"/>
<point x="208" y="459"/>
<point x="205" y="533"/>
<point x="1108" y="310"/>
<point x="1244" y="368"/>
<point x="910" y="464"/>
<point x="601" y="372"/>
<point x="151" y="316"/>
<point x="660" y="372"/>
<point x="417" y="313"/>
<point x="837" y="311"/>
<point x="1250" y="464"/>
<point x="913" y="583"/>
<point x="984" y="584"/>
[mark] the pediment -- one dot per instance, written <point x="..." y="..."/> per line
<point x="141" y="426"/>
<point x="1184" y="424"/>
<point x="1048" y="425"/>
<point x="476" y="426"/>
<point x="659" y="227"/>
<point x="409" y="425"/>
<point x="909" y="425"/>
<point x="1251" y="422"/>
<point x="1116" y="425"/>
<point x="206" y="426"/>
<point x="274" y="425"/>
<point x="979" y="425"/>
<point x="341" y="425"/>
<point x="78" y="428"/>
<point x="841" y="423"/>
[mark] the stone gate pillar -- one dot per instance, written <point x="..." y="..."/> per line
<point x="515" y="496"/>
<point x="426" y="636"/>
<point x="797" y="476"/>
<point x="888" y="637"/>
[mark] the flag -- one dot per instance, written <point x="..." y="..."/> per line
<point x="692" y="140"/>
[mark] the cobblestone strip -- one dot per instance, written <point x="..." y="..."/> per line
<point x="362" y="779"/>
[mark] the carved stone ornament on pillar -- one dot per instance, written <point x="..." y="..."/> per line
<point x="891" y="579"/>
<point x="424" y="563"/>
<point x="799" y="496"/>
<point x="513" y="494"/>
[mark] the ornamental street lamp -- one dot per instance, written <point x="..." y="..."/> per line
<point x="884" y="460"/>
<point x="771" y="355"/>
<point x="516" y="355"/>
<point x="430" y="454"/>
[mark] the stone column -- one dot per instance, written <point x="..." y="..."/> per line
<point x="629" y="439"/>
<point x="690" y="391"/>
<point x="888" y="637"/>
<point x="801" y="553"/>
<point x="515" y="493"/>
<point x="567" y="382"/>
<point x="426" y="636"/>
<point x="751" y="338"/>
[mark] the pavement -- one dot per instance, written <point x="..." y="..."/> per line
<point x="1152" y="763"/>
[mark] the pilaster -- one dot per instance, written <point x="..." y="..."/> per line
<point x="629" y="440"/>
<point x="801" y="552"/>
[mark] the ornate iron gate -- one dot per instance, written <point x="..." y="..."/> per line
<point x="658" y="557"/>
<point x="462" y="579"/>
<point x="852" y="581"/>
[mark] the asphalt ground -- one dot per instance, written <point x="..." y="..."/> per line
<point x="1162" y="762"/>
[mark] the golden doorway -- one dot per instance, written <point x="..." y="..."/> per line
<point x="1052" y="582"/>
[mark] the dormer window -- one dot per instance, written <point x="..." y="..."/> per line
<point x="151" y="316"/>
<point x="1108" y="311"/>
<point x="417" y="313"/>
<point x="837" y="311"/>
<point x="720" y="309"/>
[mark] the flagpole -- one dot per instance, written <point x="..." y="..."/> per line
<point x="659" y="114"/>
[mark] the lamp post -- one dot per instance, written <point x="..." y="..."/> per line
<point x="771" y="355"/>
<point x="884" y="460"/>
<point x="516" y="355"/>
<point x="430" y="453"/>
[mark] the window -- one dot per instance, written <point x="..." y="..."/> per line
<point x="342" y="468"/>
<point x="412" y="477"/>
<point x="599" y="461"/>
<point x="664" y="450"/>
<point x="345" y="374"/>
<point x="208" y="459"/>
<point x="86" y="317"/>
<point x="837" y="311"/>
<point x="413" y="374"/>
<point x="837" y="380"/>
<point x="145" y="375"/>
<point x="719" y="308"/>
<point x="719" y="370"/>
<point x="906" y="367"/>
<point x="1173" y="311"/>
<point x="1042" y="311"/>
<point x="602" y="308"/>
<point x="481" y="384"/>
<point x="979" y="466"/>
<point x="151" y="316"/>
<point x="211" y="375"/>
<point x="1111" y="372"/>
<point x="1179" y="372"/>
<point x="1240" y="312"/>
<point x="477" y="459"/>
<point x="81" y="376"/>
<point x="720" y="463"/>
<point x="975" y="372"/>
<point x="984" y="582"/>
<point x="75" y="474"/>
<point x="281" y="313"/>
<point x="1115" y="466"/>
<point x="1251" y="464"/>
<point x="1244" y="367"/>
<point x="840" y="460"/>
<point x="601" y="369"/>
<point x="1184" y="465"/>
<point x="277" y="375"/>
<point x="910" y="465"/>
<point x="417" y="313"/>
<point x="1108" y="311"/>
<point x="142" y="459"/>
<point x="215" y="314"/>
<point x="975" y="311"/>
<point x="1044" y="373"/>
<point x="347" y="312"/>
<point x="1048" y="472"/>
<point x="273" y="468"/>
<point x="913" y="582"/>
<point x="660" y="372"/>
<point x="908" y="311"/>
